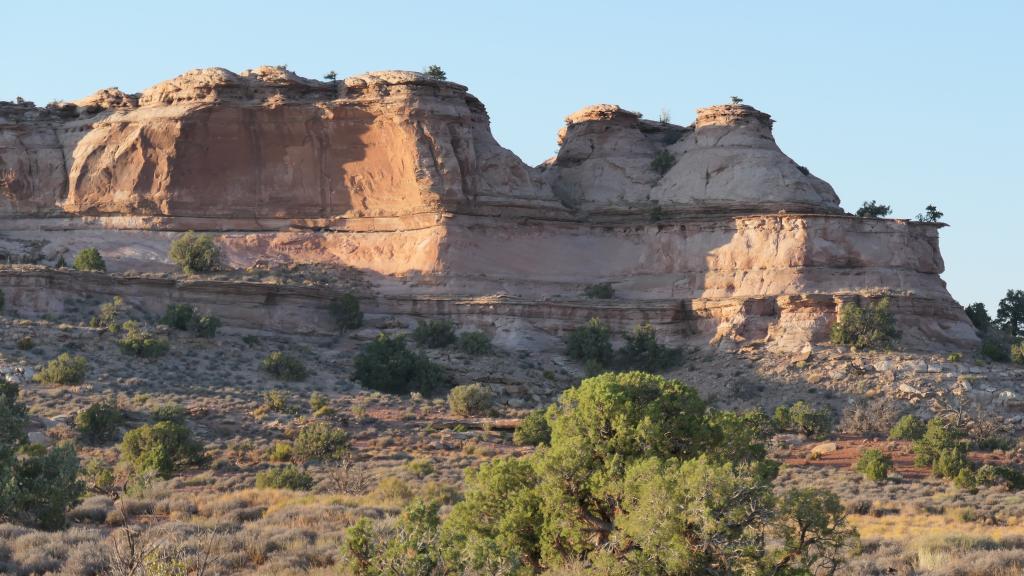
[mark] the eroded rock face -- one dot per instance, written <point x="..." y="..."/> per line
<point x="266" y="144"/>
<point x="726" y="162"/>
<point x="604" y="159"/>
<point x="33" y="179"/>
<point x="709" y="231"/>
<point x="730" y="161"/>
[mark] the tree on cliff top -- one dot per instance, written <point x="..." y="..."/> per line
<point x="873" y="209"/>
<point x="931" y="214"/>
<point x="435" y="72"/>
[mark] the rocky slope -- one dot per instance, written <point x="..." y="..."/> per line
<point x="396" y="179"/>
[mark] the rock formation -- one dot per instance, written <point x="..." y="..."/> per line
<point x="709" y="231"/>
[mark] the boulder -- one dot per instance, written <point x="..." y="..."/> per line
<point x="819" y="450"/>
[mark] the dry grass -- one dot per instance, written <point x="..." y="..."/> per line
<point x="278" y="532"/>
<point x="905" y="527"/>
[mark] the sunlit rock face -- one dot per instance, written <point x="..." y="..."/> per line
<point x="709" y="231"/>
<point x="726" y="162"/>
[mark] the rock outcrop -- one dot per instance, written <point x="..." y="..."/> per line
<point x="726" y="162"/>
<point x="710" y="228"/>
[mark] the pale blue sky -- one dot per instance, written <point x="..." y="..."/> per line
<point x="909" y="103"/>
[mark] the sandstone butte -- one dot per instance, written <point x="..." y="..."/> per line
<point x="395" y="179"/>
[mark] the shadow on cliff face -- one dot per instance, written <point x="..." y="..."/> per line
<point x="33" y="179"/>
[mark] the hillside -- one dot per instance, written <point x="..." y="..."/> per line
<point x="391" y="300"/>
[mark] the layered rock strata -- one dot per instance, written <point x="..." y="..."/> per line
<point x="709" y="230"/>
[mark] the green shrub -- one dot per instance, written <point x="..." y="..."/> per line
<point x="405" y="547"/>
<point x="284" y="367"/>
<point x="178" y="316"/>
<point x="966" y="479"/>
<point x="873" y="209"/>
<point x="392" y="489"/>
<point x="602" y="291"/>
<point x="46" y="486"/>
<point x="955" y="357"/>
<point x="360" y="550"/>
<point x="281" y="452"/>
<point x="388" y="366"/>
<point x="317" y="402"/>
<point x="421" y="467"/>
<point x="99" y="422"/>
<point x="185" y="317"/>
<point x="205" y="326"/>
<point x="434" y="333"/>
<point x="939" y="437"/>
<point x="162" y="448"/>
<point x="931" y="214"/>
<point x="950" y="462"/>
<point x="874" y="465"/>
<point x="289" y="477"/>
<point x="139" y="342"/>
<point x="663" y="162"/>
<point x="995" y="475"/>
<point x="740" y="436"/>
<point x="908" y="427"/>
<point x="870" y="327"/>
<point x="642" y="352"/>
<point x="195" y="253"/>
<point x="25" y="343"/>
<point x="170" y="412"/>
<point x="99" y="475"/>
<point x="533" y="430"/>
<point x="435" y="72"/>
<point x="13" y="416"/>
<point x="346" y="312"/>
<point x="990" y="442"/>
<point x="320" y="442"/>
<point x="37" y="486"/>
<point x="64" y="369"/>
<point x="802" y="418"/>
<point x="590" y="343"/>
<point x="1017" y="353"/>
<point x="109" y="316"/>
<point x="89" y="260"/>
<point x="474" y="343"/>
<point x="995" y="348"/>
<point x="471" y="400"/>
<point x="629" y="485"/>
<point x="277" y="401"/>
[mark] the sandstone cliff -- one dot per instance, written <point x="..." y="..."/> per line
<point x="396" y="177"/>
<point x="263" y="144"/>
<point x="727" y="161"/>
